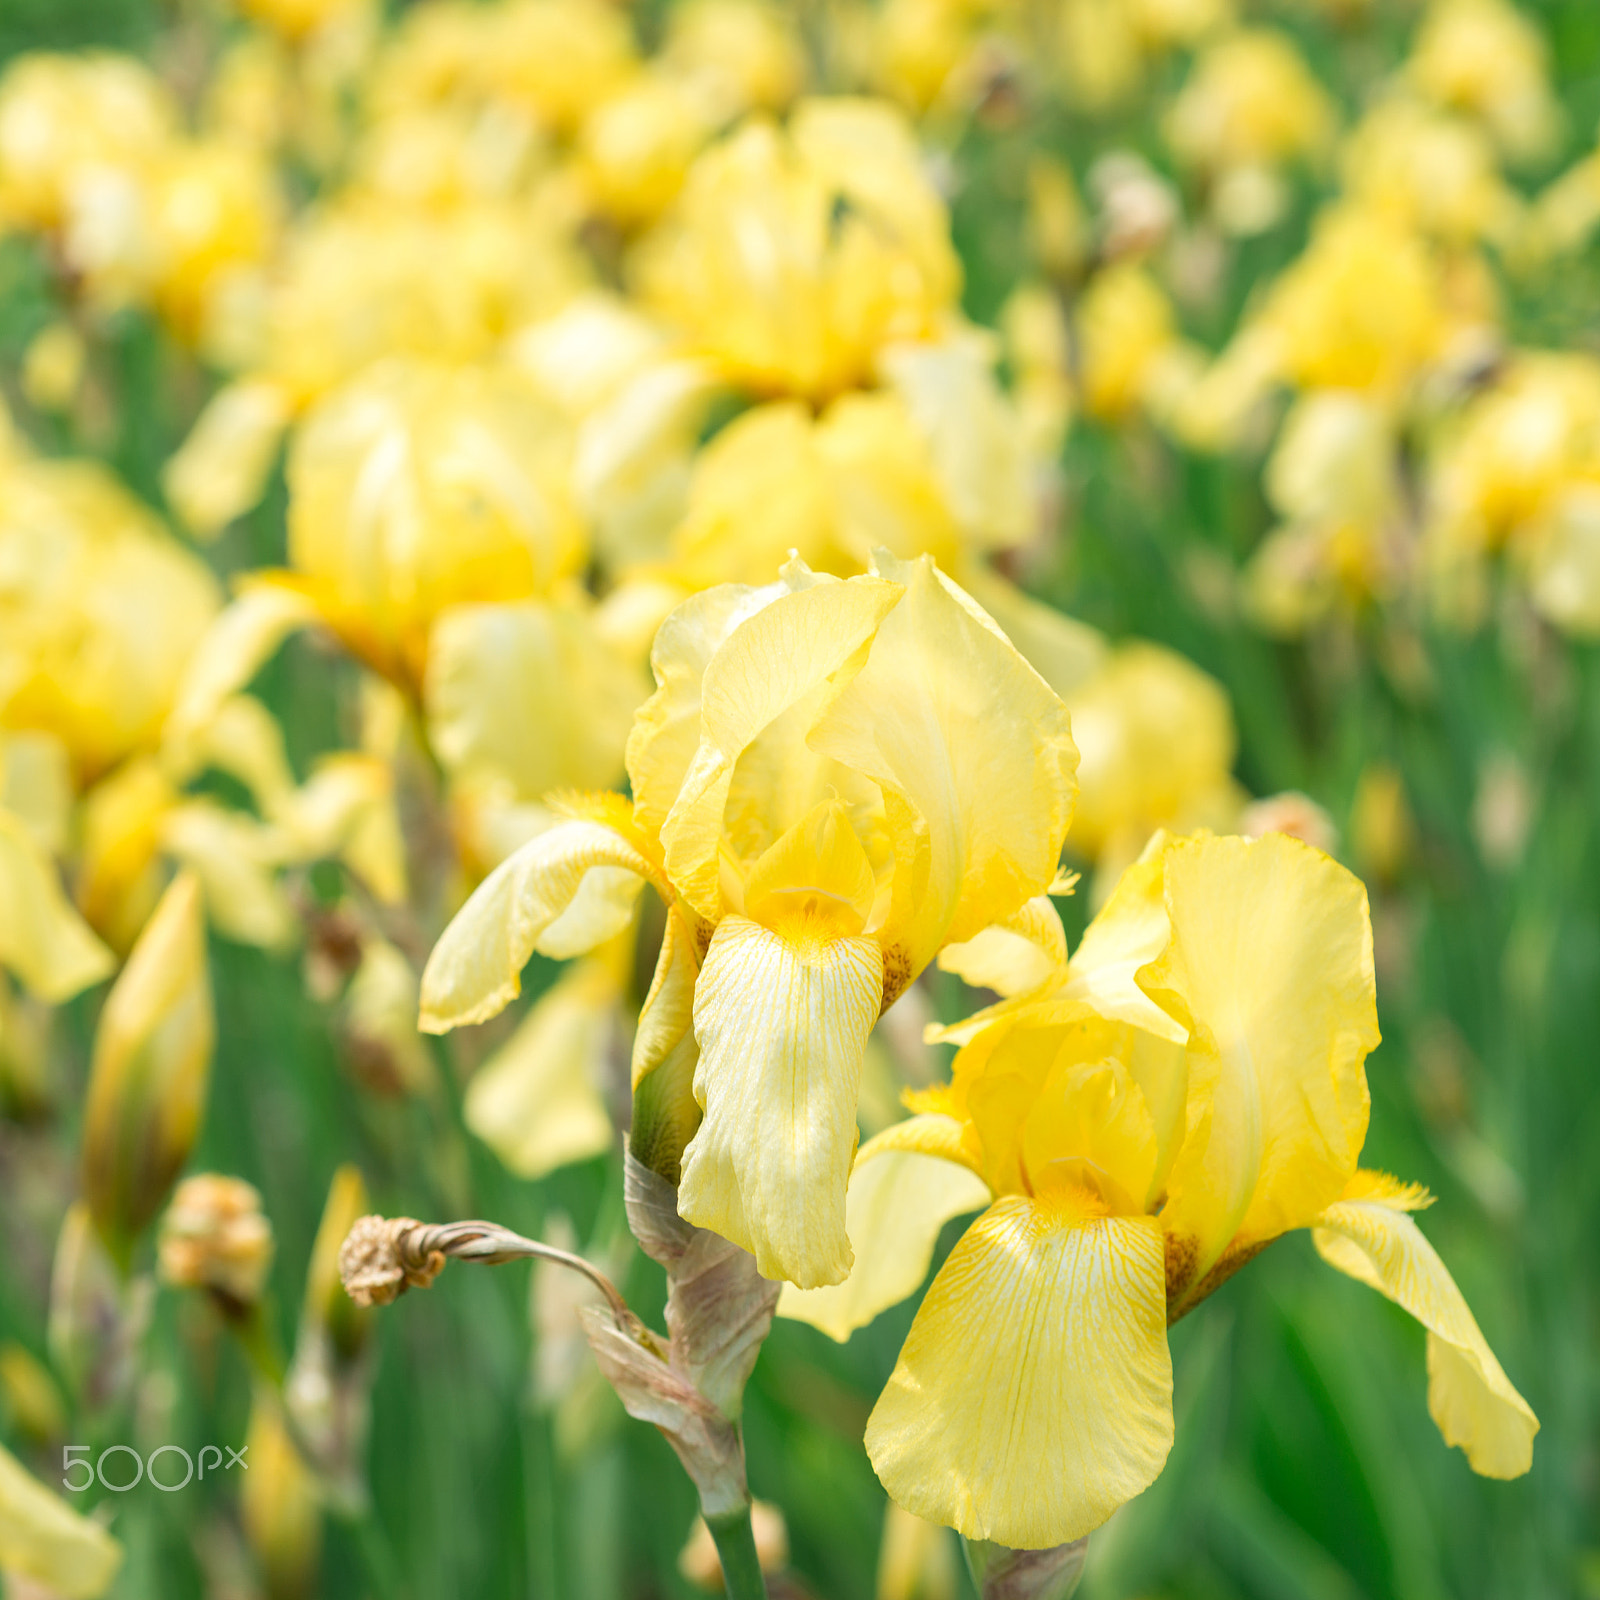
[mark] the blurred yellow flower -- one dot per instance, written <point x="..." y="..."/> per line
<point x="1130" y="355"/>
<point x="740" y="55"/>
<point x="932" y="463"/>
<point x="295" y="19"/>
<point x="1334" y="479"/>
<point x="832" y="781"/>
<point x="418" y="487"/>
<point x="1186" y="1089"/>
<point x="1157" y="742"/>
<point x="279" y="1503"/>
<point x="1488" y="58"/>
<point x="793" y="256"/>
<point x="69" y="123"/>
<point x="1430" y="170"/>
<point x="636" y="149"/>
<point x="100" y="610"/>
<point x="1250" y="105"/>
<point x="44" y="1541"/>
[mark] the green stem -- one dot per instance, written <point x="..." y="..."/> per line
<point x="736" y="1548"/>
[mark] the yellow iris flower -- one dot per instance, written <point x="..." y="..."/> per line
<point x="1140" y="1122"/>
<point x="99" y="611"/>
<point x="832" y="781"/>
<point x="792" y="257"/>
<point x="415" y="488"/>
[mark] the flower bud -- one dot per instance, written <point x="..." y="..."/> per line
<point x="328" y="1387"/>
<point x="214" y="1237"/>
<point x="278" y="1505"/>
<point x="151" y="1065"/>
<point x="326" y="1303"/>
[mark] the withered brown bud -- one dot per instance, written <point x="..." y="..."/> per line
<point x="375" y="1265"/>
<point x="214" y="1237"/>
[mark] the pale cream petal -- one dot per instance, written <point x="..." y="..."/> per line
<point x="230" y="653"/>
<point x="43" y="1538"/>
<point x="501" y="703"/>
<point x="1270" y="967"/>
<point x="782" y="1030"/>
<point x="974" y="752"/>
<point x="772" y="660"/>
<point x="244" y="740"/>
<point x="219" y="472"/>
<point x="1022" y="953"/>
<point x="537" y="1102"/>
<point x="475" y="969"/>
<point x="347" y="808"/>
<point x="236" y="859"/>
<point x="1034" y="1393"/>
<point x="666" y="730"/>
<point x="1469" y="1396"/>
<point x="42" y="938"/>
<point x="897" y="1203"/>
<point x="36" y="786"/>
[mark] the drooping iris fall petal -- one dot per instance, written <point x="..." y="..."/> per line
<point x="1371" y="1236"/>
<point x="562" y="893"/>
<point x="782" y="1027"/>
<point x="1034" y="1393"/>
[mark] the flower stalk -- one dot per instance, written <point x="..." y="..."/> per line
<point x="690" y="1384"/>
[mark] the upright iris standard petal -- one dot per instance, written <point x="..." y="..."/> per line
<point x="975" y="757"/>
<point x="42" y="939"/>
<point x="561" y="893"/>
<point x="1130" y="931"/>
<point x="539" y="736"/>
<point x="1371" y="1237"/>
<point x="904" y="1188"/>
<point x="1270" y="966"/>
<point x="782" y="1026"/>
<point x="1034" y="1393"/>
<point x="767" y="664"/>
<point x="666" y="728"/>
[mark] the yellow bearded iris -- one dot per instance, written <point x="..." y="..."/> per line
<point x="99" y="611"/>
<point x="832" y="781"/>
<point x="1140" y="1122"/>
<point x="413" y="489"/>
<point x="791" y="258"/>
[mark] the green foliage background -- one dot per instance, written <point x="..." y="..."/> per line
<point x="1306" y="1466"/>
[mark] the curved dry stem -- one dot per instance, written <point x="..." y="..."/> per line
<point x="384" y="1256"/>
